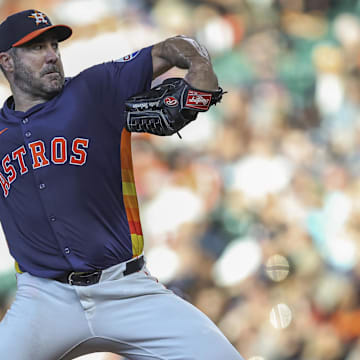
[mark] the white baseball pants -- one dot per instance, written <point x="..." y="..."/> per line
<point x="134" y="316"/>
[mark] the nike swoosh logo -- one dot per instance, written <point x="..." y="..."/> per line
<point x="3" y="130"/>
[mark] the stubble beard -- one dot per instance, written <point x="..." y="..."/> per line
<point x="44" y="85"/>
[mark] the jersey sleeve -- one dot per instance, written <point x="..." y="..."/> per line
<point x="136" y="71"/>
<point x="106" y="86"/>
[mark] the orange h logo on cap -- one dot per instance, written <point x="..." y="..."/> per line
<point x="39" y="17"/>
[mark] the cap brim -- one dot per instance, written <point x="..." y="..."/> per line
<point x="62" y="32"/>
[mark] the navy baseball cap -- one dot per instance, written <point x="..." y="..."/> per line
<point x="24" y="26"/>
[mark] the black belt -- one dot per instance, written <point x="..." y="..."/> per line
<point x="93" y="277"/>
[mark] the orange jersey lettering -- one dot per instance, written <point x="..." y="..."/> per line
<point x="79" y="157"/>
<point x="9" y="169"/>
<point x="37" y="149"/>
<point x="4" y="184"/>
<point x="59" y="150"/>
<point x="18" y="155"/>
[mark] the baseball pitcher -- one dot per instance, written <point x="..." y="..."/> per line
<point x="68" y="202"/>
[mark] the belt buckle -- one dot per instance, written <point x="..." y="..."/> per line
<point x="84" y="278"/>
<point x="70" y="280"/>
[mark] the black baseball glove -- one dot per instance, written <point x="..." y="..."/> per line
<point x="168" y="107"/>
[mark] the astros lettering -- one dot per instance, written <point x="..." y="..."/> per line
<point x="58" y="155"/>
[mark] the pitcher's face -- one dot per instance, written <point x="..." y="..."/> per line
<point x="38" y="68"/>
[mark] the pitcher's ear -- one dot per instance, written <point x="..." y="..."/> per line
<point x="6" y="62"/>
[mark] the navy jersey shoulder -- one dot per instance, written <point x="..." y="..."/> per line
<point x="119" y="79"/>
<point x="109" y="84"/>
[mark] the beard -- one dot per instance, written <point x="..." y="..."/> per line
<point x="46" y="85"/>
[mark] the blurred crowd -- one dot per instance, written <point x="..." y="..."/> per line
<point x="253" y="216"/>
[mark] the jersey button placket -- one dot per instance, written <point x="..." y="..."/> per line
<point x="27" y="132"/>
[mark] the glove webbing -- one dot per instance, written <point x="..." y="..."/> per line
<point x="152" y="121"/>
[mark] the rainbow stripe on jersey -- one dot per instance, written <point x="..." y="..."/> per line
<point x="129" y="194"/>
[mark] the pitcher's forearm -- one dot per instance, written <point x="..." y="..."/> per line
<point x="185" y="53"/>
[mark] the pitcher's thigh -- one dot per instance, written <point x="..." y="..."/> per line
<point x="20" y="333"/>
<point x="189" y="333"/>
<point x="162" y="326"/>
<point x="42" y="323"/>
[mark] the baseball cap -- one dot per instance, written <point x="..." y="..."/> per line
<point x="24" y="26"/>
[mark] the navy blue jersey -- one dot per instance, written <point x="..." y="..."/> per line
<point x="67" y="193"/>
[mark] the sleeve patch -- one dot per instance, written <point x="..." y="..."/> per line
<point x="128" y="57"/>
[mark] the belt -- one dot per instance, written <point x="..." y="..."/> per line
<point x="93" y="277"/>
